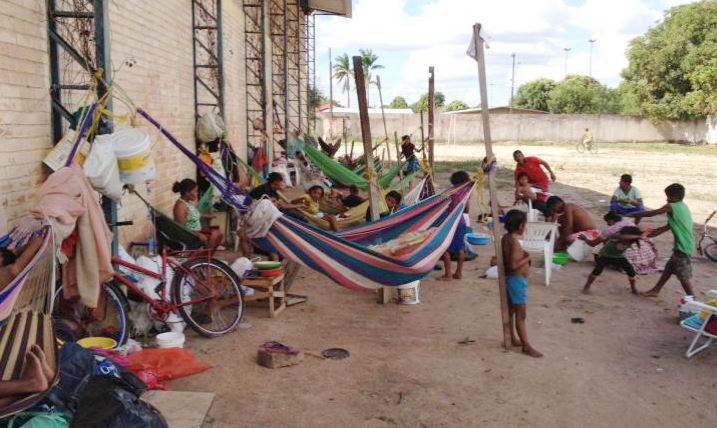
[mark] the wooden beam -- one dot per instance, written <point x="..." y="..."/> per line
<point x="374" y="192"/>
<point x="480" y="57"/>
<point x="398" y="155"/>
<point x="431" y="113"/>
<point x="383" y="117"/>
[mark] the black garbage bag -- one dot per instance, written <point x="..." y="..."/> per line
<point x="113" y="402"/>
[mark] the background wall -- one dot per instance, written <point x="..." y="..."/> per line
<point x="527" y="127"/>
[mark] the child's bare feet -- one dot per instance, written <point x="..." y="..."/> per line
<point x="516" y="342"/>
<point x="586" y="291"/>
<point x="32" y="374"/>
<point x="650" y="293"/>
<point x="46" y="369"/>
<point x="634" y="291"/>
<point x="444" y="278"/>
<point x="530" y="351"/>
<point x="457" y="276"/>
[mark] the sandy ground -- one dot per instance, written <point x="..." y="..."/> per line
<point x="624" y="367"/>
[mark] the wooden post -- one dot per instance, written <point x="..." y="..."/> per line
<point x="431" y="113"/>
<point x="398" y="155"/>
<point x="480" y="57"/>
<point x="383" y="117"/>
<point x="374" y="192"/>
<point x="423" y="139"/>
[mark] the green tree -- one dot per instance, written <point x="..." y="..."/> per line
<point x="579" y="94"/>
<point x="534" y="95"/>
<point x="370" y="64"/>
<point x="455" y="105"/>
<point x="673" y="67"/>
<point x="623" y="100"/>
<point x="398" y="102"/>
<point x="343" y="72"/>
<point x="422" y="103"/>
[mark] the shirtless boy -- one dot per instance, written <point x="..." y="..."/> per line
<point x="517" y="267"/>
<point x="572" y="220"/>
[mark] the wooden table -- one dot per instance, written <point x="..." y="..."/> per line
<point x="268" y="288"/>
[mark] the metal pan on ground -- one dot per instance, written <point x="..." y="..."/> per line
<point x="335" y="353"/>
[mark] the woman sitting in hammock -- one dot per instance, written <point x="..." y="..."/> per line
<point x="12" y="264"/>
<point x="312" y="204"/>
<point x="187" y="214"/>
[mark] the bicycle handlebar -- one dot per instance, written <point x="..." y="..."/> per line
<point x="710" y="217"/>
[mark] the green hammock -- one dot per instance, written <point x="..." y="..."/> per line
<point x="344" y="175"/>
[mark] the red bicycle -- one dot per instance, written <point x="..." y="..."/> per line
<point x="204" y="291"/>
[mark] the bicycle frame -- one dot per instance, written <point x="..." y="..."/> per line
<point x="162" y="306"/>
<point x="706" y="232"/>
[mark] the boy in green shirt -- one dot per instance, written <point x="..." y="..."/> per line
<point x="613" y="254"/>
<point x="679" y="221"/>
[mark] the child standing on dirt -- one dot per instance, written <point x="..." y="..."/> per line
<point x="613" y="254"/>
<point x="679" y="221"/>
<point x="458" y="244"/>
<point x="517" y="267"/>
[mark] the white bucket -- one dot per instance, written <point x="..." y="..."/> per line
<point x="132" y="147"/>
<point x="170" y="340"/>
<point x="579" y="250"/>
<point x="408" y="294"/>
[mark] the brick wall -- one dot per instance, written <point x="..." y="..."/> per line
<point x="155" y="37"/>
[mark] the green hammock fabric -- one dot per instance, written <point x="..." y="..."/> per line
<point x="342" y="174"/>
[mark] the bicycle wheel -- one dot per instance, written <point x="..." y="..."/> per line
<point x="209" y="296"/>
<point x="593" y="148"/>
<point x="581" y="147"/>
<point x="710" y="251"/>
<point x="109" y="319"/>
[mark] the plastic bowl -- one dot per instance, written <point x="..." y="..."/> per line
<point x="170" y="339"/>
<point x="265" y="265"/>
<point x="561" y="258"/>
<point x="270" y="273"/>
<point x="477" y="238"/>
<point x="97" y="342"/>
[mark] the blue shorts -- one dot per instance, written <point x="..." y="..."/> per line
<point x="458" y="243"/>
<point x="517" y="290"/>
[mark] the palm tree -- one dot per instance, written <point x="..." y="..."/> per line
<point x="369" y="63"/>
<point x="343" y="73"/>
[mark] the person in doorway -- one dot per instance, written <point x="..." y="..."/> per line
<point x="517" y="268"/>
<point x="573" y="220"/>
<point x="533" y="167"/>
<point x="408" y="151"/>
<point x="187" y="214"/>
<point x="627" y="198"/>
<point x="613" y="254"/>
<point x="679" y="221"/>
<point x="458" y="244"/>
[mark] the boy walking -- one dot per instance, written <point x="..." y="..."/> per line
<point x="679" y="221"/>
<point x="517" y="267"/>
<point x="613" y="254"/>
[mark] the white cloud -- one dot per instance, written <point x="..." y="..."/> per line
<point x="438" y="34"/>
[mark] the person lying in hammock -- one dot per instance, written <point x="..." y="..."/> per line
<point x="353" y="199"/>
<point x="312" y="204"/>
<point x="35" y="378"/>
<point x="11" y="264"/>
<point x="187" y="214"/>
<point x="393" y="202"/>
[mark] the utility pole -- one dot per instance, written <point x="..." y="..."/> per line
<point x="512" y="82"/>
<point x="566" y="49"/>
<point x="592" y="42"/>
<point x="431" y="114"/>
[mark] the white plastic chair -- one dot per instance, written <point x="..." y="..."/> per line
<point x="695" y="324"/>
<point x="539" y="237"/>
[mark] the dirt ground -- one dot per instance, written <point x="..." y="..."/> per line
<point x="624" y="367"/>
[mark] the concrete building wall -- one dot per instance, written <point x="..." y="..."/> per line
<point x="527" y="127"/>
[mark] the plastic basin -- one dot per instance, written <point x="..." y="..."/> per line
<point x="97" y="342"/>
<point x="266" y="265"/>
<point x="478" y="238"/>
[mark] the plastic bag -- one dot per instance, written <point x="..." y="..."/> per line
<point x="167" y="363"/>
<point x="101" y="168"/>
<point x="210" y="127"/>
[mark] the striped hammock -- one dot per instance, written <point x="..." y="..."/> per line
<point x="347" y="257"/>
<point x="343" y="175"/>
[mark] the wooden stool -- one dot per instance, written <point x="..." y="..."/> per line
<point x="268" y="288"/>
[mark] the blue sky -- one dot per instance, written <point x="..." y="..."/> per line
<point x="410" y="35"/>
